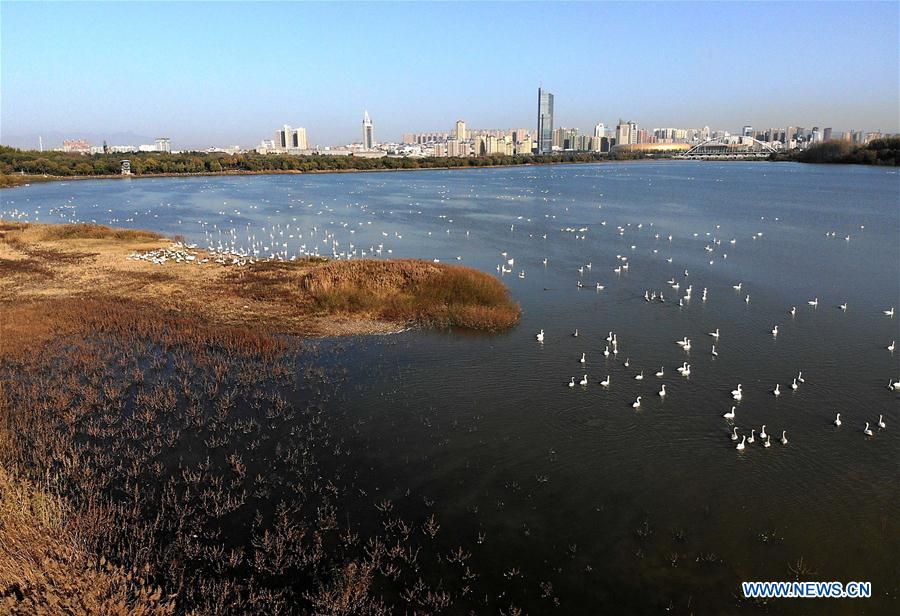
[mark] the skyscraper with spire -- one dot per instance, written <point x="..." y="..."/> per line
<point x="368" y="136"/>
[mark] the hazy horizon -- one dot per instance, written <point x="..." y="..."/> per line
<point x="207" y="74"/>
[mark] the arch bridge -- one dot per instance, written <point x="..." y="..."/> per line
<point x="730" y="147"/>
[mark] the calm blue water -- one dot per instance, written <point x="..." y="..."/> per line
<point x="637" y="510"/>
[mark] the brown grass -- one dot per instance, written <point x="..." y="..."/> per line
<point x="44" y="570"/>
<point x="308" y="296"/>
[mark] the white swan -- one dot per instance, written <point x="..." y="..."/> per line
<point x="777" y="390"/>
<point x="762" y="433"/>
<point x="784" y="440"/>
<point x="734" y="435"/>
<point x="892" y="346"/>
<point x="867" y="431"/>
<point x="714" y="352"/>
<point x="794" y="384"/>
<point x="662" y="392"/>
<point x="890" y="312"/>
<point x="881" y="423"/>
<point x="793" y="310"/>
<point x="715" y="334"/>
<point x="583" y="359"/>
<point x="738" y="393"/>
<point x="540" y="336"/>
<point x="637" y="403"/>
<point x="682" y="367"/>
<point x="584" y="381"/>
<point x="813" y="302"/>
<point x="575" y="333"/>
<point x="606" y="351"/>
<point x="660" y="373"/>
<point x="687" y="346"/>
<point x="768" y="442"/>
<point x="639" y="377"/>
<point x="682" y="342"/>
<point x="800" y="377"/>
<point x="737" y="287"/>
<point x="627" y="362"/>
<point x="837" y="420"/>
<point x="747" y="299"/>
<point x="775" y="331"/>
<point x="740" y="446"/>
<point x="606" y="382"/>
<point x="729" y="414"/>
<point x="843" y="306"/>
<point x="572" y="382"/>
<point x="752" y="438"/>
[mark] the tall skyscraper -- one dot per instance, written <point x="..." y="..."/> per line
<point x="545" y="122"/>
<point x="288" y="138"/>
<point x="599" y="130"/>
<point x="826" y="134"/>
<point x="460" y="132"/>
<point x="626" y="132"/>
<point x="163" y="144"/>
<point x="368" y="135"/>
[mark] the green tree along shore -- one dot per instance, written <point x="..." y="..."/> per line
<point x="62" y="164"/>
<point x="884" y="151"/>
<point x="21" y="166"/>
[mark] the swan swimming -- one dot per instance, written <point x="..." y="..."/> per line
<point x="892" y="346"/>
<point x="729" y="414"/>
<point x="837" y="420"/>
<point x="784" y="440"/>
<point x="714" y="352"/>
<point x="813" y="302"/>
<point x="775" y="331"/>
<point x="762" y="433"/>
<point x="734" y="435"/>
<point x="777" y="390"/>
<point x="737" y="394"/>
<point x="747" y="299"/>
<point x="582" y="360"/>
<point x="794" y="384"/>
<point x="627" y="362"/>
<point x="540" y="336"/>
<point x="662" y="392"/>
<point x="639" y="377"/>
<point x="584" y="381"/>
<point x="660" y="373"/>
<point x="575" y="333"/>
<point x="606" y="351"/>
<point x="637" y="403"/>
<point x="881" y="423"/>
<point x="715" y="334"/>
<point x="800" y="377"/>
<point x="768" y="442"/>
<point x="890" y="312"/>
<point x="793" y="310"/>
<point x="572" y="382"/>
<point x="740" y="446"/>
<point x="606" y="382"/>
<point x="752" y="438"/>
<point x="867" y="431"/>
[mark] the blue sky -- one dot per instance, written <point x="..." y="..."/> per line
<point x="223" y="73"/>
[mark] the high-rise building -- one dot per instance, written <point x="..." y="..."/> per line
<point x="460" y="132"/>
<point x="368" y="134"/>
<point x="826" y="134"/>
<point x="747" y="131"/>
<point x="163" y="144"/>
<point x="599" y="130"/>
<point x="626" y="132"/>
<point x="287" y="138"/>
<point x="545" y="122"/>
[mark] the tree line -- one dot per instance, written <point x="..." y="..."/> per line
<point x="885" y="151"/>
<point x="66" y="164"/>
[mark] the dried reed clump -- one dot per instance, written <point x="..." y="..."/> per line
<point x="45" y="570"/>
<point x="90" y="231"/>
<point x="413" y="291"/>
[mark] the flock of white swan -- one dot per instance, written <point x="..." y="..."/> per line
<point x="612" y="347"/>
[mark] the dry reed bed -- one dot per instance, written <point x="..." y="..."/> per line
<point x="308" y="296"/>
<point x="168" y="460"/>
<point x="203" y="457"/>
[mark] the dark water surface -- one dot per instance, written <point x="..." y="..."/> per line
<point x="619" y="508"/>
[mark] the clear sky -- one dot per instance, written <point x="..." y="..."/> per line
<point x="230" y="73"/>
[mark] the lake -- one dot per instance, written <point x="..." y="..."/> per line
<point x="633" y="510"/>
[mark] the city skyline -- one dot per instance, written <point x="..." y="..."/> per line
<point x="55" y="84"/>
